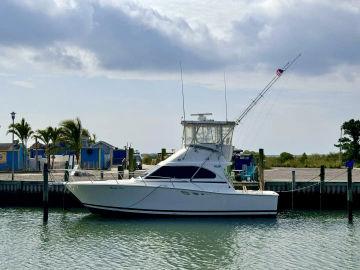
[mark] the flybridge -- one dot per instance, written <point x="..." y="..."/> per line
<point x="206" y="131"/>
<point x="209" y="133"/>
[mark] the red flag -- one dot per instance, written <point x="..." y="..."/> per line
<point x="279" y="72"/>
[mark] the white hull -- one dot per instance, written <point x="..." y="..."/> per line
<point x="134" y="197"/>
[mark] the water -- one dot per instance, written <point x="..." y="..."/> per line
<point x="78" y="240"/>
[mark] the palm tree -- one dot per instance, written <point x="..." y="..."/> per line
<point x="50" y="137"/>
<point x="92" y="138"/>
<point x="45" y="136"/>
<point x="72" y="132"/>
<point x="23" y="131"/>
<point x="55" y="136"/>
<point x="85" y="133"/>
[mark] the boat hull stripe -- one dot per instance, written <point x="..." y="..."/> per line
<point x="176" y="211"/>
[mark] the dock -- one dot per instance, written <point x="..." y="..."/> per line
<point x="26" y="189"/>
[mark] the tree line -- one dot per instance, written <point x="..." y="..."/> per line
<point x="69" y="134"/>
<point x="348" y="144"/>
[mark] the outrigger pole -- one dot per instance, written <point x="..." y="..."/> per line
<point x="278" y="74"/>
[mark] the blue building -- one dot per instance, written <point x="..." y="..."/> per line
<point x="93" y="158"/>
<point x="118" y="156"/>
<point x="37" y="149"/>
<point x="7" y="151"/>
<point x="101" y="155"/>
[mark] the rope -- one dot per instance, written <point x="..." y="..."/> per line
<point x="135" y="203"/>
<point x="298" y="189"/>
<point x="312" y="179"/>
<point x="336" y="176"/>
<point x="302" y="188"/>
<point x="318" y="183"/>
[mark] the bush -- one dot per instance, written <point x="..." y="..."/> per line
<point x="286" y="157"/>
<point x="147" y="158"/>
<point x="331" y="160"/>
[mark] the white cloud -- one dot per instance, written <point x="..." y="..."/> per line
<point x="24" y="84"/>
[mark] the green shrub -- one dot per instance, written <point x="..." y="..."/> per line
<point x="331" y="160"/>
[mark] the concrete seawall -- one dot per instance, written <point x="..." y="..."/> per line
<point x="29" y="193"/>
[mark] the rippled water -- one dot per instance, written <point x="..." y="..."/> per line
<point x="78" y="240"/>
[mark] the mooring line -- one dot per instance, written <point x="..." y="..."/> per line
<point x="135" y="203"/>
<point x="318" y="183"/>
<point x="298" y="189"/>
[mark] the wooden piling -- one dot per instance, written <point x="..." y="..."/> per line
<point x="349" y="194"/>
<point x="66" y="174"/>
<point x="163" y="154"/>
<point x="131" y="160"/>
<point x="45" y="193"/>
<point x="120" y="171"/>
<point x="261" y="169"/>
<point x="322" y="185"/>
<point x="293" y="186"/>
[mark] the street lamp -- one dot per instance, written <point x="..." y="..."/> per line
<point x="13" y="152"/>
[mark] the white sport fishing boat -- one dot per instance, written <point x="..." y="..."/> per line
<point x="194" y="181"/>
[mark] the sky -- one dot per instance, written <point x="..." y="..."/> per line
<point x="115" y="65"/>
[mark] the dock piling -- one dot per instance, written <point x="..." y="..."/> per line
<point x="322" y="185"/>
<point x="119" y="170"/>
<point x="131" y="160"/>
<point x="293" y="186"/>
<point x="261" y="169"/>
<point x="66" y="174"/>
<point x="45" y="193"/>
<point x="163" y="154"/>
<point x="349" y="194"/>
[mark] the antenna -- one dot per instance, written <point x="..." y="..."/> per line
<point x="182" y="90"/>
<point x="225" y="98"/>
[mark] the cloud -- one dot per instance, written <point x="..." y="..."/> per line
<point x="24" y="84"/>
<point x="123" y="36"/>
<point x="328" y="34"/>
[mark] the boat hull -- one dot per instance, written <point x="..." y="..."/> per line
<point x="163" y="200"/>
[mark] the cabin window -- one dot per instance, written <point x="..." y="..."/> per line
<point x="181" y="172"/>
